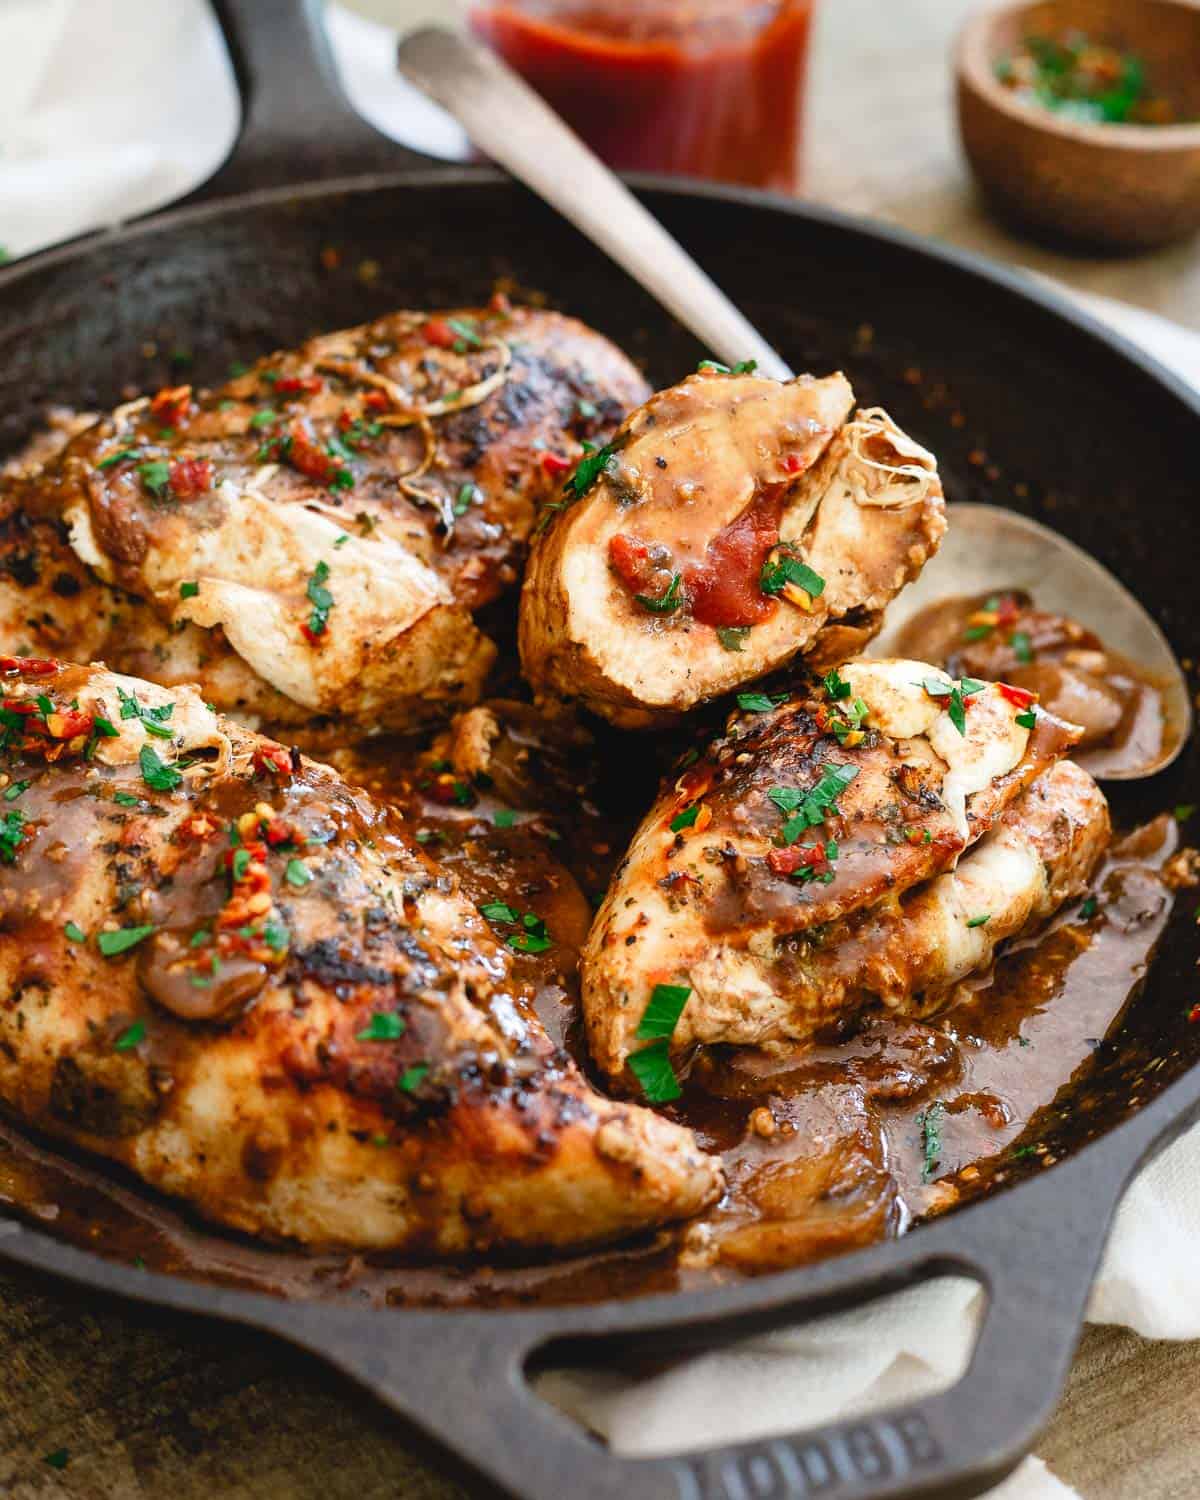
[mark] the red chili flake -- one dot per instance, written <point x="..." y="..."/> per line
<point x="20" y="706"/>
<point x="199" y="827"/>
<point x="66" y="723"/>
<point x="1007" y="611"/>
<point x="311" y="636"/>
<point x="554" y="464"/>
<point x="273" y="758"/>
<point x="294" y="385"/>
<point x="793" y="463"/>
<point x="377" y="401"/>
<point x="308" y="458"/>
<point x="29" y="666"/>
<point x="500" y="304"/>
<point x="1194" y="1014"/>
<point x="788" y="861"/>
<point x="172" y="404"/>
<point x="279" y="831"/>
<point x="1018" y="697"/>
<point x="189" y="477"/>
<point x="438" y="331"/>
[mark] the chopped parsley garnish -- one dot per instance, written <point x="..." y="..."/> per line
<point x="531" y="936"/>
<point x="201" y="936"/>
<point x="504" y="817"/>
<point x="651" y="1066"/>
<point x="1184" y="811"/>
<point x="13" y="832"/>
<point x="809" y="809"/>
<point x="1022" y="646"/>
<point x="775" y="576"/>
<point x="125" y="799"/>
<point x="733" y="637"/>
<point x="340" y="541"/>
<point x="11" y="793"/>
<point x="188" y="590"/>
<point x="685" y="819"/>
<point x="264" y="417"/>
<point x="467" y="334"/>
<point x="760" y="703"/>
<point x="836" y="685"/>
<point x="596" y="461"/>
<point x="977" y="632"/>
<point x="468" y="495"/>
<point x="498" y="911"/>
<point x="662" y="1014"/>
<point x="980" y="920"/>
<point x="1088" y="908"/>
<point x="668" y="602"/>
<point x="930" y="1121"/>
<point x="849" y="722"/>
<point x="275" y="935"/>
<point x="955" y="694"/>
<point x="240" y="863"/>
<point x="130" y="1037"/>
<point x="297" y="873"/>
<point x="122" y="939"/>
<point x="75" y="932"/>
<point x="384" y="1027"/>
<point x="155" y="771"/>
<point x="320" y="598"/>
<point x="61" y="1457"/>
<point x="412" y="1078"/>
<point x="154" y="476"/>
<point x="1027" y="719"/>
<point x="152" y="720"/>
<point x="118" y="457"/>
<point x="714" y="367"/>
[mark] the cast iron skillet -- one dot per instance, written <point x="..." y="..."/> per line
<point x="1076" y="427"/>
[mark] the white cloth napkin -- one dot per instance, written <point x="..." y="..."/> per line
<point x="118" y="106"/>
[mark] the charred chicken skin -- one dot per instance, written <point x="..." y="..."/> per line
<point x="330" y="519"/>
<point x="869" y="840"/>
<point x="237" y="976"/>
<point x="732" y="524"/>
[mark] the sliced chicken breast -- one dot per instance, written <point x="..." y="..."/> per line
<point x="812" y="860"/>
<point x="732" y="524"/>
<point x="238" y="977"/>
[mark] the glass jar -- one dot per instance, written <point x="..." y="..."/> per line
<point x="707" y="88"/>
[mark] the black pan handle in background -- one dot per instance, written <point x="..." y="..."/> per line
<point x="297" y="125"/>
<point x="463" y="1376"/>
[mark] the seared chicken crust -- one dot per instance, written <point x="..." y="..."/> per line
<point x="239" y="977"/>
<point x="733" y="524"/>
<point x="330" y="519"/>
<point x="811" y="861"/>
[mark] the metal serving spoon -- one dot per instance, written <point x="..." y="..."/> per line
<point x="987" y="548"/>
<point x="511" y="123"/>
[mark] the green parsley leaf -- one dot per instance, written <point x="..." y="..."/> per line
<point x="733" y="637"/>
<point x="188" y="590"/>
<point x="118" y="457"/>
<point x="760" y="703"/>
<point x="809" y="809"/>
<point x="241" y="859"/>
<point x="75" y="932"/>
<point x="836" y="685"/>
<point x="320" y="598"/>
<point x="412" y="1078"/>
<point x="788" y="569"/>
<point x="930" y="1121"/>
<point x="1022" y="646"/>
<point x="1184" y="811"/>
<point x="59" y="1459"/>
<point x="534" y="938"/>
<point x="13" y="833"/>
<point x="125" y="799"/>
<point x="498" y="911"/>
<point x="264" y="417"/>
<point x="1087" y="909"/>
<point x="713" y="367"/>
<point x="154" y="476"/>
<point x="596" y="461"/>
<point x="684" y="819"/>
<point x="504" y="817"/>
<point x="668" y="602"/>
<point x="156" y="773"/>
<point x="977" y="632"/>
<point x="131" y="1036"/>
<point x="11" y="793"/>
<point x="466" y="331"/>
<point x="201" y="936"/>
<point x="1027" y="719"/>
<point x="980" y="920"/>
<point x="384" y="1027"/>
<point x="122" y="939"/>
<point x="663" y="1011"/>
<point x="468" y="495"/>
<point x="297" y="873"/>
<point x="651" y="1066"/>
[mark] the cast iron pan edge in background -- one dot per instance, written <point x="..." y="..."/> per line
<point x="462" y="1375"/>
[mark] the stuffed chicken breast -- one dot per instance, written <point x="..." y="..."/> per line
<point x="238" y="977"/>
<point x="872" y="839"/>
<point x="733" y="524"/>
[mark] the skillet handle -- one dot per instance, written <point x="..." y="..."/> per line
<point x="297" y="125"/>
<point x="462" y="1377"/>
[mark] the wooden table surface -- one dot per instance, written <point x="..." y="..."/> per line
<point x="147" y="1405"/>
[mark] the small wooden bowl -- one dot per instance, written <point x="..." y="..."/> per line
<point x="1118" y="187"/>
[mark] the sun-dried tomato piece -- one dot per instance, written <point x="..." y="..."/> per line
<point x="172" y="404"/>
<point x="29" y="666"/>
<point x="189" y="477"/>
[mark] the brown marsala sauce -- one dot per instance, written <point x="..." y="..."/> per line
<point x="826" y="1149"/>
<point x="1002" y="636"/>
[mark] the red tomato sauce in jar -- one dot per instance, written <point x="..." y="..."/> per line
<point x="705" y="88"/>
